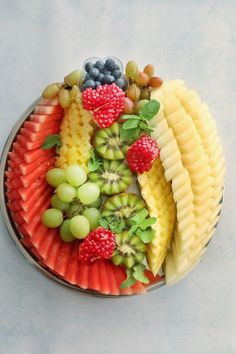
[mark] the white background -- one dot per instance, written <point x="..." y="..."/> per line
<point x="40" y="42"/>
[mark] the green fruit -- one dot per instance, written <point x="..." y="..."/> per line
<point x="66" y="192"/>
<point x="131" y="69"/>
<point x="52" y="218"/>
<point x="138" y="105"/>
<point x="75" y="175"/>
<point x="97" y="203"/>
<point x="64" y="97"/>
<point x="88" y="193"/>
<point x="55" y="176"/>
<point x="73" y="78"/>
<point x="57" y="203"/>
<point x="92" y="214"/>
<point x="130" y="250"/>
<point x="112" y="178"/>
<point x="51" y="91"/>
<point x="75" y="208"/>
<point x="108" y="143"/>
<point x="65" y="232"/>
<point x="122" y="207"/>
<point x="79" y="226"/>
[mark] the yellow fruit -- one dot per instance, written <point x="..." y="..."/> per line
<point x="157" y="193"/>
<point x="76" y="131"/>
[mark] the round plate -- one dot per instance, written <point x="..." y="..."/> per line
<point x="11" y="227"/>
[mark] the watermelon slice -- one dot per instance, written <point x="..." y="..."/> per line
<point x="38" y="173"/>
<point x="38" y="127"/>
<point x="47" y="110"/>
<point x="26" y="168"/>
<point x="48" y="102"/>
<point x="32" y="136"/>
<point x="44" y="118"/>
<point x="72" y="267"/>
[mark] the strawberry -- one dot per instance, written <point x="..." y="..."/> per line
<point x="99" y="244"/>
<point x="106" y="103"/>
<point x="142" y="154"/>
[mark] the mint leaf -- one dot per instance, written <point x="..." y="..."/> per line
<point x="133" y="229"/>
<point x="129" y="281"/>
<point x="149" y="110"/>
<point x="117" y="226"/>
<point x="140" y="216"/>
<point x="130" y="134"/>
<point x="132" y="123"/>
<point x="138" y="273"/>
<point x="103" y="222"/>
<point x="146" y="223"/>
<point x="146" y="236"/>
<point x="130" y="116"/>
<point x="95" y="162"/>
<point x="51" y="141"/>
<point x="145" y="127"/>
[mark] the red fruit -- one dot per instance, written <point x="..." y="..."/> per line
<point x="99" y="244"/>
<point x="106" y="102"/>
<point x="142" y="154"/>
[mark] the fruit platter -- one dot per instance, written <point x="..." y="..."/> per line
<point x="112" y="181"/>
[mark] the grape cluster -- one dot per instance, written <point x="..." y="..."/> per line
<point x="140" y="85"/>
<point x="74" y="204"/>
<point x="103" y="72"/>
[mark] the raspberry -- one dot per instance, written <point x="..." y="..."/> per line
<point x="99" y="244"/>
<point x="142" y="154"/>
<point x="106" y="102"/>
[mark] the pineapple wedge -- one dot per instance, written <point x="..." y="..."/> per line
<point x="157" y="193"/>
<point x="76" y="131"/>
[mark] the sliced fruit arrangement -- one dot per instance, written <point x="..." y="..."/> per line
<point x="90" y="143"/>
<point x="192" y="157"/>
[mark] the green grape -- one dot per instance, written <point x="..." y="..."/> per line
<point x="79" y="226"/>
<point x="65" y="233"/>
<point x="55" y="176"/>
<point x="88" y="193"/>
<point x="97" y="203"/>
<point x="51" y="91"/>
<point x="64" y="97"/>
<point x="73" y="78"/>
<point x="131" y="69"/>
<point x="57" y="203"/>
<point x="75" y="175"/>
<point x="66" y="192"/>
<point x="92" y="214"/>
<point x="52" y="218"/>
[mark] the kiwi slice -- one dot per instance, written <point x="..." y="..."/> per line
<point x="108" y="143"/>
<point x="122" y="206"/>
<point x="112" y="177"/>
<point x="130" y="250"/>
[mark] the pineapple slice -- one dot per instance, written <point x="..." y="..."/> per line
<point x="76" y="131"/>
<point x="157" y="193"/>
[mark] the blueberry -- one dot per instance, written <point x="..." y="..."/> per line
<point x="99" y="65"/>
<point x="87" y="77"/>
<point x="97" y="83"/>
<point x="106" y="72"/>
<point x="122" y="83"/>
<point x="110" y="64"/>
<point x="116" y="73"/>
<point x="87" y="84"/>
<point x="94" y="72"/>
<point x="88" y="66"/>
<point x="100" y="77"/>
<point x="109" y="79"/>
<point x="117" y="67"/>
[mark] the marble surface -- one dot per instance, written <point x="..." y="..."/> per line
<point x="194" y="40"/>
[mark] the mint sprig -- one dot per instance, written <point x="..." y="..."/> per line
<point x="134" y="124"/>
<point x="134" y="274"/>
<point x="95" y="162"/>
<point x="53" y="140"/>
<point x="115" y="225"/>
<point x="141" y="226"/>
